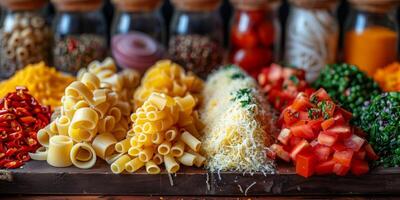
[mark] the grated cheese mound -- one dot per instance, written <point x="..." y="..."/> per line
<point x="239" y="123"/>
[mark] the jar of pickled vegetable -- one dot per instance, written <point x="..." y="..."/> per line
<point x="80" y="34"/>
<point x="196" y="35"/>
<point x="138" y="34"/>
<point x="254" y="34"/>
<point x="371" y="34"/>
<point x="312" y="35"/>
<point x="25" y="35"/>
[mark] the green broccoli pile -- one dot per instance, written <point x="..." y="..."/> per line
<point x="348" y="86"/>
<point x="381" y="120"/>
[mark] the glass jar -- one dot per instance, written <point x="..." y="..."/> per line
<point x="196" y="35"/>
<point x="312" y="35"/>
<point x="25" y="35"/>
<point x="254" y="34"/>
<point x="80" y="34"/>
<point x="137" y="34"/>
<point x="371" y="35"/>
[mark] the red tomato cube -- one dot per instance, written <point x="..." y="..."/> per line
<point x="284" y="136"/>
<point x="322" y="153"/>
<point x="302" y="146"/>
<point x="360" y="155"/>
<point x="280" y="152"/>
<point x="343" y="157"/>
<point x="343" y="131"/>
<point x="370" y="152"/>
<point x="321" y="95"/>
<point x="303" y="131"/>
<point x="327" y="139"/>
<point x="325" y="167"/>
<point x="327" y="123"/>
<point x="305" y="164"/>
<point x="340" y="169"/>
<point x="354" y="142"/>
<point x="359" y="167"/>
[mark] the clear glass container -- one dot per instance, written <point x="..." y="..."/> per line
<point x="25" y="36"/>
<point x="254" y="34"/>
<point x="371" y="35"/>
<point x="196" y="35"/>
<point x="80" y="35"/>
<point x="312" y="36"/>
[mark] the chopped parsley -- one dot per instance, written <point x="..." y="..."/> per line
<point x="226" y="67"/>
<point x="244" y="97"/>
<point x="314" y="113"/>
<point x="237" y="75"/>
<point x="294" y="79"/>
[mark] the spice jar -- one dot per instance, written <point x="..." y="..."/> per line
<point x="312" y="35"/>
<point x="254" y="34"/>
<point x="137" y="34"/>
<point x="196" y="35"/>
<point x="371" y="34"/>
<point x="80" y="33"/>
<point x="25" y="35"/>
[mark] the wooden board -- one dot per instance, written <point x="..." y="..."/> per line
<point x="39" y="178"/>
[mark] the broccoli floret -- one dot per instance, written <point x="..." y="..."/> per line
<point x="381" y="120"/>
<point x="349" y="86"/>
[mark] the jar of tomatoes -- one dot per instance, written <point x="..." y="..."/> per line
<point x="254" y="34"/>
<point x="196" y="35"/>
<point x="80" y="34"/>
<point x="25" y="35"/>
<point x="371" y="34"/>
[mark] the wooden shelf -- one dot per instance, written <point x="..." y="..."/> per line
<point x="39" y="178"/>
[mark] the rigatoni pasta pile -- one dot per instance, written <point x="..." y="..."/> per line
<point x="165" y="126"/>
<point x="93" y="119"/>
<point x="239" y="124"/>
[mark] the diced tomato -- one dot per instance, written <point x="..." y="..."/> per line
<point x="343" y="157"/>
<point x="338" y="147"/>
<point x="300" y="122"/>
<point x="321" y="95"/>
<point x="322" y="153"/>
<point x="327" y="123"/>
<point x="280" y="152"/>
<point x="271" y="154"/>
<point x="359" y="167"/>
<point x="339" y="119"/>
<point x="302" y="146"/>
<point x="360" y="155"/>
<point x="346" y="114"/>
<point x="314" y="143"/>
<point x="305" y="164"/>
<point x="359" y="132"/>
<point x="340" y="169"/>
<point x="284" y="136"/>
<point x="327" y="139"/>
<point x="301" y="102"/>
<point x="330" y="108"/>
<point x="303" y="131"/>
<point x="370" y="152"/>
<point x="354" y="142"/>
<point x="290" y="116"/>
<point x="325" y="167"/>
<point x="304" y="116"/>
<point x="316" y="124"/>
<point x="294" y="140"/>
<point x="343" y="131"/>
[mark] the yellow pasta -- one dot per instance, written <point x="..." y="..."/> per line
<point x="158" y="159"/>
<point x="59" y="151"/>
<point x="134" y="165"/>
<point x="146" y="154"/>
<point x="164" y="148"/>
<point x="191" y="141"/>
<point x="112" y="158"/>
<point x="115" y="112"/>
<point x="119" y="165"/>
<point x="103" y="145"/>
<point x="157" y="138"/>
<point x="123" y="146"/>
<point x="86" y="118"/>
<point x="199" y="160"/>
<point x="187" y="159"/>
<point x="171" y="134"/>
<point x="170" y="164"/>
<point x="63" y="123"/>
<point x="43" y="137"/>
<point x="40" y="154"/>
<point x="152" y="168"/>
<point x="106" y="124"/>
<point x="83" y="156"/>
<point x="177" y="149"/>
<point x="134" y="151"/>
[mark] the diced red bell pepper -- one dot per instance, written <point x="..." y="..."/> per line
<point x="327" y="123"/>
<point x="302" y="146"/>
<point x="327" y="139"/>
<point x="303" y="131"/>
<point x="343" y="157"/>
<point x="280" y="152"/>
<point x="284" y="136"/>
<point x="305" y="164"/>
<point x="340" y="169"/>
<point x="325" y="167"/>
<point x="322" y="153"/>
<point x="343" y="131"/>
<point x="370" y="152"/>
<point x="359" y="167"/>
<point x="354" y="142"/>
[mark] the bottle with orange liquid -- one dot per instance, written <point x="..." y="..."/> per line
<point x="371" y="34"/>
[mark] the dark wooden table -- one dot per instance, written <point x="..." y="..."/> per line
<point x="38" y="178"/>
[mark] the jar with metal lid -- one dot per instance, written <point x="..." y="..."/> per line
<point x="254" y="34"/>
<point x="25" y="35"/>
<point x="196" y="35"/>
<point x="80" y="34"/>
<point x="138" y="34"/>
<point x="312" y="35"/>
<point x="371" y="34"/>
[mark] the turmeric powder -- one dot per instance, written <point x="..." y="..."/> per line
<point x="389" y="77"/>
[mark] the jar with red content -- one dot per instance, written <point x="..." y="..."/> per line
<point x="254" y="34"/>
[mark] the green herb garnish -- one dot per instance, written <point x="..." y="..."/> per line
<point x="294" y="79"/>
<point x="244" y="97"/>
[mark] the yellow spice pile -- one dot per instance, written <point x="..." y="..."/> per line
<point x="46" y="84"/>
<point x="389" y="77"/>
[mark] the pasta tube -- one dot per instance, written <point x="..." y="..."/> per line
<point x="103" y="145"/>
<point x="170" y="164"/>
<point x="191" y="141"/>
<point x="119" y="165"/>
<point x="83" y="155"/>
<point x="40" y="154"/>
<point x="59" y="151"/>
<point x="134" y="165"/>
<point x="187" y="159"/>
<point x="152" y="168"/>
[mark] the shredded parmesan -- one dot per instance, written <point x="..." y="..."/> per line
<point x="248" y="188"/>
<point x="171" y="181"/>
<point x="238" y="123"/>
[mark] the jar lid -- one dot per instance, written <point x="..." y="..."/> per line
<point x="314" y="4"/>
<point x="254" y="4"/>
<point x="77" y="5"/>
<point x="375" y="5"/>
<point x="137" y="5"/>
<point x="196" y="5"/>
<point x="23" y="4"/>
